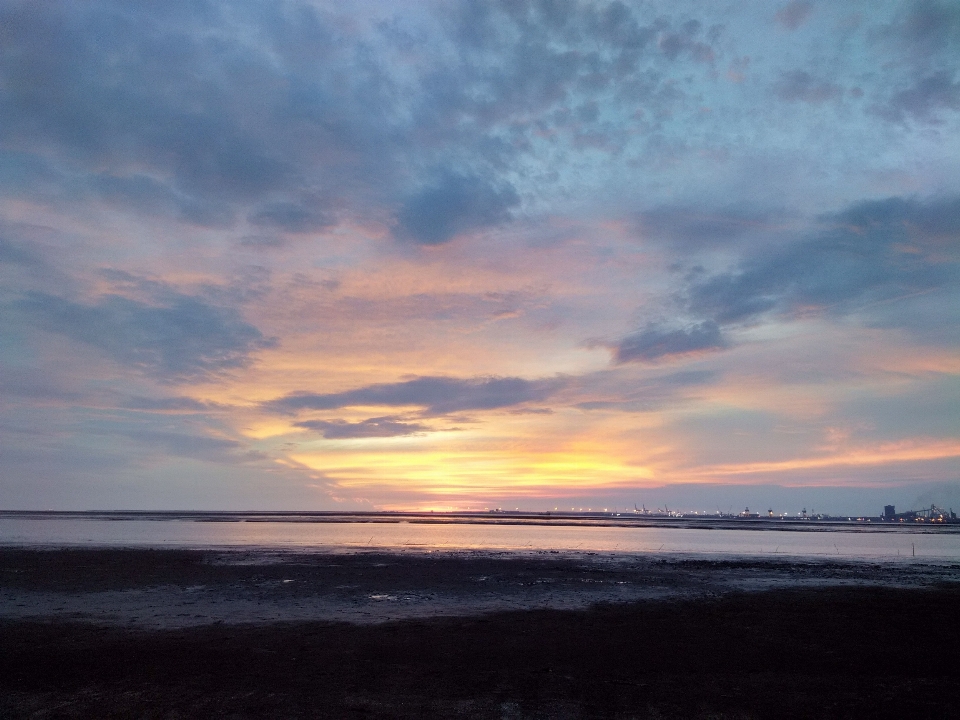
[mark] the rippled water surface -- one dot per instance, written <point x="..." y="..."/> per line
<point x="358" y="534"/>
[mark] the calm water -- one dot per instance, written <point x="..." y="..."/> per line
<point x="943" y="544"/>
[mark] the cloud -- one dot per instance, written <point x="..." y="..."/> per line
<point x="895" y="218"/>
<point x="187" y="444"/>
<point x="875" y="258"/>
<point x="31" y="258"/>
<point x="454" y="204"/>
<point x="23" y="174"/>
<point x="794" y="14"/>
<point x="185" y="338"/>
<point x="210" y="112"/>
<point x="136" y="89"/>
<point x="928" y="26"/>
<point x="437" y="395"/>
<point x="18" y="254"/>
<point x="378" y="427"/>
<point x="801" y="86"/>
<point x="693" y="227"/>
<point x="649" y="393"/>
<point x="291" y="217"/>
<point x="176" y="404"/>
<point x="148" y="196"/>
<point x="655" y="343"/>
<point x="31" y="383"/>
<point x="264" y="242"/>
<point x="672" y="44"/>
<point x="873" y="251"/>
<point x="924" y="100"/>
<point x="143" y="109"/>
<point x="925" y="39"/>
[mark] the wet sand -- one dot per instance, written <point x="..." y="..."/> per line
<point x="184" y="633"/>
<point x="167" y="589"/>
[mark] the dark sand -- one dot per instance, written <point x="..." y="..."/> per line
<point x="185" y="634"/>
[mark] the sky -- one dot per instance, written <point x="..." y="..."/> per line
<point x="298" y="255"/>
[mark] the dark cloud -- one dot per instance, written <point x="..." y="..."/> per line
<point x="693" y="227"/>
<point x="438" y="395"/>
<point x="378" y="427"/>
<point x="862" y="260"/>
<point x="655" y="343"/>
<point x="801" y="86"/>
<point x="873" y="251"/>
<point x="33" y="384"/>
<point x="184" y="338"/>
<point x="929" y="26"/>
<point x="731" y="298"/>
<point x="174" y="404"/>
<point x="183" y="444"/>
<point x="926" y="35"/>
<point x="670" y="44"/>
<point x="264" y="242"/>
<point x="56" y="464"/>
<point x="209" y="111"/>
<point x="106" y="86"/>
<point x="673" y="44"/>
<point x="180" y="432"/>
<point x="291" y="217"/>
<point x="896" y="219"/>
<point x="26" y="175"/>
<point x="34" y="257"/>
<point x="18" y="253"/>
<point x="148" y="196"/>
<point x="102" y="82"/>
<point x="924" y="100"/>
<point x="794" y="14"/>
<point x="616" y="25"/>
<point x="454" y="204"/>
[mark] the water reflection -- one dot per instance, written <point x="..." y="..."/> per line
<point x="214" y="531"/>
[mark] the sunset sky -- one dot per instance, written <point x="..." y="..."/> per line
<point x="382" y="255"/>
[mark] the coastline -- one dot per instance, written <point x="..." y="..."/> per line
<point x="177" y="588"/>
<point x="206" y="634"/>
<point x="718" y="521"/>
<point x="345" y="533"/>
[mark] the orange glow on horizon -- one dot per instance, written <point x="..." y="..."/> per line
<point x="878" y="455"/>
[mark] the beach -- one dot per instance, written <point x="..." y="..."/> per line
<point x="154" y="589"/>
<point x="267" y="633"/>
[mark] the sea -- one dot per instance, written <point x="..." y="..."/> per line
<point x="427" y="532"/>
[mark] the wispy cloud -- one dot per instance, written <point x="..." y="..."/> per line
<point x="654" y="342"/>
<point x="182" y="339"/>
<point x="378" y="427"/>
<point x="436" y="395"/>
<point x="872" y="251"/>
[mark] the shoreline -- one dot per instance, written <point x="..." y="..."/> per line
<point x="794" y="653"/>
<point x="259" y="634"/>
<point x="817" y="523"/>
<point x="677" y="539"/>
<point x="179" y="588"/>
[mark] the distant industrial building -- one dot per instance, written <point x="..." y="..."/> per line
<point x="930" y="514"/>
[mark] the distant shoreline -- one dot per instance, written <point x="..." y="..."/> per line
<point x="604" y="519"/>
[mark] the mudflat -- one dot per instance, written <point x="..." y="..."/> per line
<point x="183" y="634"/>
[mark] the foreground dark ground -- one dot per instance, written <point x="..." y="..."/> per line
<point x="168" y="589"/>
<point x="835" y="652"/>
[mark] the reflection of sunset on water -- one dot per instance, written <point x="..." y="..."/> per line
<point x="617" y="537"/>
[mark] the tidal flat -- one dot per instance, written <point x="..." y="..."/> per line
<point x="258" y="633"/>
